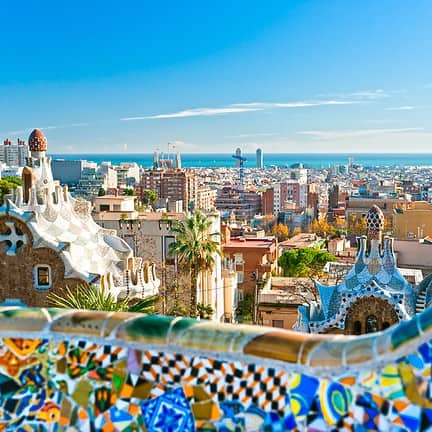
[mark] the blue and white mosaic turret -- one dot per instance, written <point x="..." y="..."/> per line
<point x="374" y="275"/>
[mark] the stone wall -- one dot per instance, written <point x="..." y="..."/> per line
<point x="23" y="262"/>
<point x="75" y="370"/>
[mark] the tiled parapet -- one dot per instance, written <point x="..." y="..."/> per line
<point x="76" y="370"/>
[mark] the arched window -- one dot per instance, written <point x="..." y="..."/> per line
<point x="357" y="328"/>
<point x="371" y="324"/>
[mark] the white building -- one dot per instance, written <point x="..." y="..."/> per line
<point x="128" y="174"/>
<point x="14" y="155"/>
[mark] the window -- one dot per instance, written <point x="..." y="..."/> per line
<point x="238" y="258"/>
<point x="278" y="323"/>
<point x="240" y="295"/>
<point x="104" y="207"/>
<point x="166" y="250"/>
<point x="42" y="276"/>
<point x="240" y="277"/>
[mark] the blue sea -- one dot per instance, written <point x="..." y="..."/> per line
<point x="311" y="160"/>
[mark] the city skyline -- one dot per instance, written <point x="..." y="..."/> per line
<point x="300" y="76"/>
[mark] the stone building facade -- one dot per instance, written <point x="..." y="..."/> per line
<point x="22" y="273"/>
<point x="48" y="241"/>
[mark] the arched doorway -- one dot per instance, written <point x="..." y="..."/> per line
<point x="368" y="315"/>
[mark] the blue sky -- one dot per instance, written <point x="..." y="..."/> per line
<point x="284" y="75"/>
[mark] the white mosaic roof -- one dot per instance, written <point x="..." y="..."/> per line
<point x="60" y="222"/>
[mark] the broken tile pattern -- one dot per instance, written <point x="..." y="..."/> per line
<point x="67" y="381"/>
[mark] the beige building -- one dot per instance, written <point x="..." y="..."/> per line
<point x="341" y="246"/>
<point x="414" y="221"/>
<point x="414" y="254"/>
<point x="279" y="301"/>
<point x="299" y="241"/>
<point x="206" y="198"/>
<point x="118" y="207"/>
<point x="149" y="235"/>
<point x="358" y="207"/>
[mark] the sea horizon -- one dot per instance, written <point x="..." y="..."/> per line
<point x="225" y="160"/>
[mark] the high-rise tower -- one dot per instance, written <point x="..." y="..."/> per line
<point x="259" y="159"/>
<point x="238" y="154"/>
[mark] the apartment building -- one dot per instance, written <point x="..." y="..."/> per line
<point x="12" y="154"/>
<point x="174" y="185"/>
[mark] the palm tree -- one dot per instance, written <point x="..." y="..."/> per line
<point x="195" y="248"/>
<point x="92" y="297"/>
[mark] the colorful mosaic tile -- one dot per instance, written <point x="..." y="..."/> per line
<point x="53" y="381"/>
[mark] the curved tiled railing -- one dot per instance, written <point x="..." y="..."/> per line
<point x="121" y="371"/>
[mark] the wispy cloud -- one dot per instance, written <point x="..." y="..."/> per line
<point x="254" y="135"/>
<point x="369" y="94"/>
<point x="338" y="134"/>
<point x="401" y="108"/>
<point x="359" y="95"/>
<point x="239" y="108"/>
<point x="194" y="112"/>
<point x="270" y="105"/>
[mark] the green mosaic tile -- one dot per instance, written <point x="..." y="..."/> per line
<point x="150" y="328"/>
<point x="404" y="332"/>
<point x="425" y="319"/>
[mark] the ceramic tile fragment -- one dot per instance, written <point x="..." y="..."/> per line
<point x="75" y="383"/>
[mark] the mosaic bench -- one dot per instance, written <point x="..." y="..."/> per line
<point x="97" y="371"/>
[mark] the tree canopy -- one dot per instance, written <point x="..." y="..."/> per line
<point x="195" y="248"/>
<point x="129" y="192"/>
<point x="149" y="196"/>
<point x="281" y="231"/>
<point x="304" y="262"/>
<point x="7" y="184"/>
<point x="322" y="228"/>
